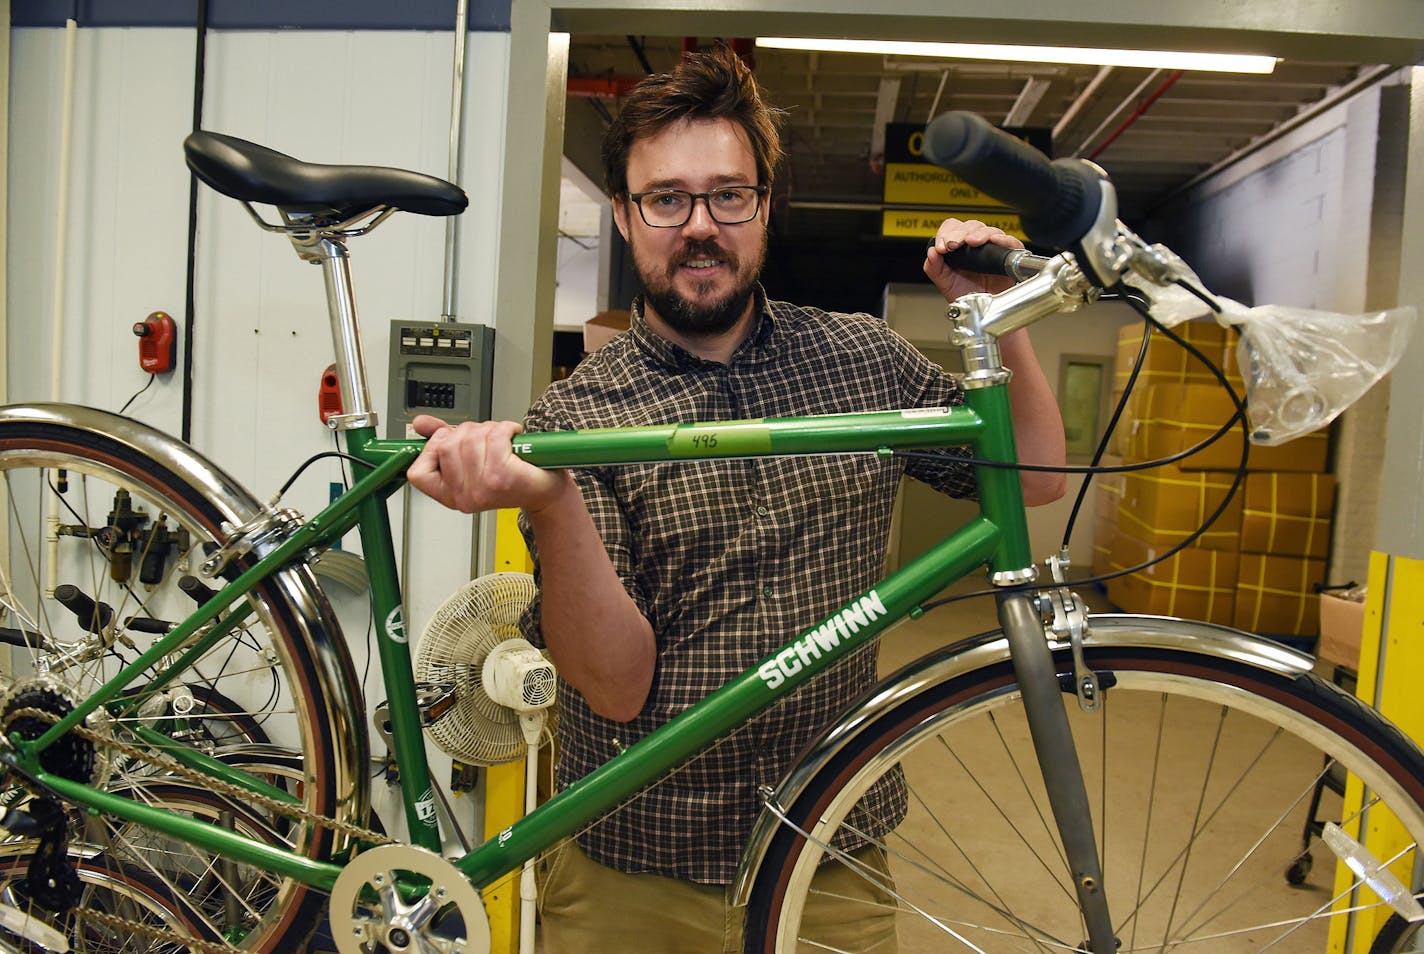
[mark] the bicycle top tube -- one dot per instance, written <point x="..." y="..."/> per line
<point x="867" y="432"/>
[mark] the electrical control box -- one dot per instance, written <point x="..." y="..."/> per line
<point x="443" y="368"/>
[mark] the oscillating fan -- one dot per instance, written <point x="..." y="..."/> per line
<point x="503" y="686"/>
<point x="504" y="689"/>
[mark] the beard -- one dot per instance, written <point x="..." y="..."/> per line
<point x="697" y="317"/>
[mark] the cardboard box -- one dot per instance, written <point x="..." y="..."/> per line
<point x="1342" y="627"/>
<point x="1163" y="506"/>
<point x="603" y="328"/>
<point x="1193" y="583"/>
<point x="1287" y="514"/>
<point x="1276" y="595"/>
<point x="1118" y="442"/>
<point x="1167" y="362"/>
<point x="1177" y="417"/>
<point x="1106" y="500"/>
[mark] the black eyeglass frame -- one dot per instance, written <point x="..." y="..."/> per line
<point x="637" y="199"/>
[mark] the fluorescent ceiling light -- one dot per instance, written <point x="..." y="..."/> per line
<point x="1149" y="59"/>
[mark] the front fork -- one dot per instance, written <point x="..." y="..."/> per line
<point x="1043" y="698"/>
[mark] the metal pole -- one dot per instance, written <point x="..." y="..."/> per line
<point x="457" y="91"/>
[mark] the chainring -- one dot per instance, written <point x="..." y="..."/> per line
<point x="372" y="908"/>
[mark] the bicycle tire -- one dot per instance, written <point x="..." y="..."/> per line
<point x="285" y="662"/>
<point x="999" y="878"/>
<point x="1398" y="935"/>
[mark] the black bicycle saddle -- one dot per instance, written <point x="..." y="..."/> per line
<point x="251" y="173"/>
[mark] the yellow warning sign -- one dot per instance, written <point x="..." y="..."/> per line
<point x="919" y="183"/>
<point x="924" y="223"/>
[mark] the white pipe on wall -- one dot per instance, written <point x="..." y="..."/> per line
<point x="61" y="277"/>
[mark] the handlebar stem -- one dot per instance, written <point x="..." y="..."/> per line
<point x="980" y="319"/>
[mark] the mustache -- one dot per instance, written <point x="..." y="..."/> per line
<point x="703" y="248"/>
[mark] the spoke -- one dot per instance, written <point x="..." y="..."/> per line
<point x="1250" y="853"/>
<point x="1196" y="827"/>
<point x="1183" y="855"/>
<point x="1147" y="828"/>
<point x="998" y="905"/>
<point x="1043" y="823"/>
<point x="1018" y="833"/>
<point x="1040" y="938"/>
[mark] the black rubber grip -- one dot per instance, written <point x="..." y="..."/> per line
<point x="23" y="638"/>
<point x="94" y="616"/>
<point x="1057" y="201"/>
<point x="986" y="259"/>
<point x="197" y="589"/>
<point x="147" y="624"/>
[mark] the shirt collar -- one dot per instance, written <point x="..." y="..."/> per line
<point x="761" y="343"/>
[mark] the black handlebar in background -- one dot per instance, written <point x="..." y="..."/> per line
<point x="991" y="259"/>
<point x="1058" y="201"/>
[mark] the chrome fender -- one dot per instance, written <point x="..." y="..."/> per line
<point x="986" y="649"/>
<point x="318" y="631"/>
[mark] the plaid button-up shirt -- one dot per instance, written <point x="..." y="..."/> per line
<point x="728" y="560"/>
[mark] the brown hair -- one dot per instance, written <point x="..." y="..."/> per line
<point x="715" y="85"/>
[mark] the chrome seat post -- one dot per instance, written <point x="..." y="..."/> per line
<point x="345" y="337"/>
<point x="326" y="246"/>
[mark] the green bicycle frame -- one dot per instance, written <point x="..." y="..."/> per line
<point x="997" y="538"/>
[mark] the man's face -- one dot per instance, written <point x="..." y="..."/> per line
<point x="699" y="277"/>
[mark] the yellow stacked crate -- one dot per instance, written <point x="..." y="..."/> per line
<point x="1257" y="566"/>
<point x="1107" y="498"/>
<point x="1285" y="535"/>
<point x="1159" y="508"/>
<point x="1194" y="583"/>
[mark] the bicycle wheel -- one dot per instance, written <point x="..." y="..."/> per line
<point x="1200" y="771"/>
<point x="110" y="889"/>
<point x="134" y="514"/>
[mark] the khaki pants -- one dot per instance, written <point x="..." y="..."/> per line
<point x="587" y="908"/>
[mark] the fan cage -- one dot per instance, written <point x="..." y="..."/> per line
<point x="467" y="626"/>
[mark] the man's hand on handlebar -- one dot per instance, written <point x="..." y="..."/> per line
<point x="953" y="233"/>
<point x="472" y="467"/>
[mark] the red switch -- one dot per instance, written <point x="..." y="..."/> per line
<point x="328" y="397"/>
<point x="157" y="343"/>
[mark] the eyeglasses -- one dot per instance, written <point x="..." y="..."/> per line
<point x="671" y="208"/>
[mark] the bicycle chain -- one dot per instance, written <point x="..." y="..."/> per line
<point x="147" y="930"/>
<point x="217" y="785"/>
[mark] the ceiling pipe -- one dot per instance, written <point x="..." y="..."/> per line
<point x="1082" y="100"/>
<point x="1117" y="111"/>
<point x="601" y="87"/>
<point x="1143" y="107"/>
<point x="1028" y="99"/>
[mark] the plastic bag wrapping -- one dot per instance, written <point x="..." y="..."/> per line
<point x="1170" y="303"/>
<point x="1303" y="367"/>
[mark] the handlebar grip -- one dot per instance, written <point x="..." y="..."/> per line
<point x="94" y="616"/>
<point x="1057" y="201"/>
<point x="986" y="259"/>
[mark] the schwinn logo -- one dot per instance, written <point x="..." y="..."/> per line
<point x="821" y="640"/>
<point x="395" y="626"/>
